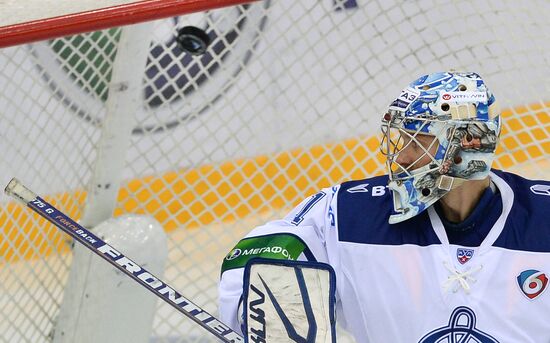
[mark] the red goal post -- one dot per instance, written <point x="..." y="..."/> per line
<point x="127" y="13"/>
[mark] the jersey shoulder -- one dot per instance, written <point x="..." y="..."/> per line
<point x="532" y="194"/>
<point x="363" y="209"/>
<point x="365" y="186"/>
<point x="527" y="189"/>
<point x="527" y="226"/>
<point x="366" y="194"/>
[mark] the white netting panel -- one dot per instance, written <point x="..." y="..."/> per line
<point x="287" y="100"/>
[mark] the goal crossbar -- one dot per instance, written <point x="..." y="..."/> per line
<point x="101" y="18"/>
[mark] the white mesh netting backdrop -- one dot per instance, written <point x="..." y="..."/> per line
<point x="287" y="100"/>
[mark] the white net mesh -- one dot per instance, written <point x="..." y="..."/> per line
<point x="287" y="99"/>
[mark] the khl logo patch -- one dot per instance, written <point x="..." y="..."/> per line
<point x="532" y="283"/>
<point x="461" y="329"/>
<point x="464" y="255"/>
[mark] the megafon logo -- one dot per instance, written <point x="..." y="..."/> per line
<point x="176" y="85"/>
<point x="233" y="254"/>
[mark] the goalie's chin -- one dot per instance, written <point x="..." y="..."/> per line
<point x="401" y="204"/>
<point x="408" y="201"/>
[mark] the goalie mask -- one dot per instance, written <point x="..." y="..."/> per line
<point x="441" y="131"/>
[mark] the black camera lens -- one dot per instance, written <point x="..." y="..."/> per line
<point x="192" y="40"/>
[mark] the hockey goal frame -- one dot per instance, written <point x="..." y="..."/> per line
<point x="102" y="18"/>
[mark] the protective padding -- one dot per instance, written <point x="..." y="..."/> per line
<point x="289" y="301"/>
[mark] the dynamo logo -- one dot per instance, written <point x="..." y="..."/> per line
<point x="461" y="328"/>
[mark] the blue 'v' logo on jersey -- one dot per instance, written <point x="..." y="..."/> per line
<point x="461" y="329"/>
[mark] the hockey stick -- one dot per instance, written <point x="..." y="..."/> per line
<point x="18" y="191"/>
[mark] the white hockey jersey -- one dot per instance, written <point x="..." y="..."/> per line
<point x="405" y="282"/>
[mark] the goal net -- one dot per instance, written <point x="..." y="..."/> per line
<point x="287" y="99"/>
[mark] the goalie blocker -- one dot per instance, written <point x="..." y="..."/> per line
<point x="289" y="301"/>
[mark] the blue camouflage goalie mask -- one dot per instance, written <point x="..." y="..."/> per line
<point x="447" y="125"/>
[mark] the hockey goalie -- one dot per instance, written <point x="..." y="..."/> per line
<point x="442" y="249"/>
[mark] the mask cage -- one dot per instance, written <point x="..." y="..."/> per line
<point x="398" y="138"/>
